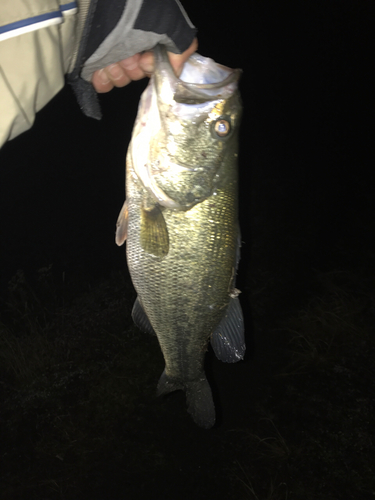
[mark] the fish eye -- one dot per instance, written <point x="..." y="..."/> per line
<point x="222" y="127"/>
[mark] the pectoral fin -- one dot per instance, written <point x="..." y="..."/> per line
<point x="228" y="340"/>
<point x="154" y="233"/>
<point x="140" y="318"/>
<point x="122" y="225"/>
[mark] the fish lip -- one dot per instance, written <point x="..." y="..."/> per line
<point x="187" y="92"/>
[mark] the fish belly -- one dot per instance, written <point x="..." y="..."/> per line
<point x="185" y="294"/>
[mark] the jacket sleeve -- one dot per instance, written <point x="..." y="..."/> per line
<point x="36" y="46"/>
<point x="117" y="29"/>
<point x="43" y="40"/>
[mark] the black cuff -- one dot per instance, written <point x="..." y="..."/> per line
<point x="102" y="17"/>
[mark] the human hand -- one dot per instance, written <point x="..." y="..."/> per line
<point x="135" y="68"/>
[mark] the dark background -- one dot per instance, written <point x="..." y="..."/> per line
<point x="307" y="91"/>
<point x="307" y="219"/>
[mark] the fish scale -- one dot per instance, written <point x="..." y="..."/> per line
<point x="195" y="263"/>
<point x="182" y="253"/>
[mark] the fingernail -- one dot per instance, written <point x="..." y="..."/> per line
<point x="103" y="77"/>
<point x="129" y="63"/>
<point x="115" y="71"/>
<point x="148" y="67"/>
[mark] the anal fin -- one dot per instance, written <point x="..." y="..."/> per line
<point x="140" y="318"/>
<point x="228" y="340"/>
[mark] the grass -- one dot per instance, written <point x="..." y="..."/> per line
<point x="333" y="322"/>
<point x="326" y="379"/>
<point x="81" y="419"/>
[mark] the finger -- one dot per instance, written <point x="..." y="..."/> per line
<point x="178" y="60"/>
<point x="132" y="68"/>
<point x="146" y="62"/>
<point x="112" y="76"/>
<point x="135" y="68"/>
<point x="117" y="75"/>
<point x="101" y="82"/>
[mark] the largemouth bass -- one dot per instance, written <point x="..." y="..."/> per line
<point x="180" y="222"/>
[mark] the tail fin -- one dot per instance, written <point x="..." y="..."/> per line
<point x="200" y="403"/>
<point x="198" y="396"/>
<point x="168" y="384"/>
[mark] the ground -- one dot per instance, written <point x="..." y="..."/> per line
<point x="80" y="418"/>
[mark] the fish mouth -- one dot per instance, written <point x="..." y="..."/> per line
<point x="215" y="81"/>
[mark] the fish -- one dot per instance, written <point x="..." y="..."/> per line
<point x="180" y="222"/>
